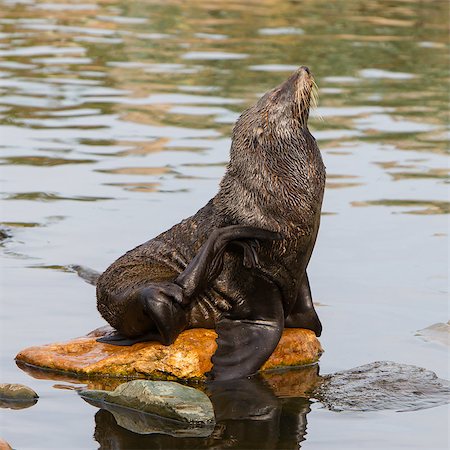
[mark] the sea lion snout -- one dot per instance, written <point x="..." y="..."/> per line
<point x="291" y="100"/>
<point x="280" y="114"/>
<point x="305" y="69"/>
<point x="302" y="78"/>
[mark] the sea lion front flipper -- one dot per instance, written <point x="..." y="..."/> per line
<point x="152" y="313"/>
<point x="208" y="262"/>
<point x="248" y="334"/>
<point x="303" y="314"/>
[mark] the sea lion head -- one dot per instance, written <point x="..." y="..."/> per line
<point x="280" y="113"/>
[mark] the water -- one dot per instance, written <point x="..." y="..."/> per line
<point x="115" y="120"/>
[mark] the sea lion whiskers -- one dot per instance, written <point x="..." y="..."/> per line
<point x="315" y="100"/>
<point x="306" y="95"/>
<point x="314" y="94"/>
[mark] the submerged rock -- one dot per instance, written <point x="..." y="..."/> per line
<point x="439" y="332"/>
<point x="4" y="234"/>
<point x="187" y="409"/>
<point x="87" y="274"/>
<point x="189" y="357"/>
<point x="381" y="386"/>
<point x="16" y="396"/>
<point x="12" y="391"/>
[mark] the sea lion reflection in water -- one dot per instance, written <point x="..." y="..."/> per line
<point x="248" y="415"/>
<point x="239" y="264"/>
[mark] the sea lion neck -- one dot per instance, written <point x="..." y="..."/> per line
<point x="275" y="177"/>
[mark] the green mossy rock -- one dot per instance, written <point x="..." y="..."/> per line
<point x="16" y="396"/>
<point x="165" y="399"/>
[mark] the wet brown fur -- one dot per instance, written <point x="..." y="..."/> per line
<point x="275" y="180"/>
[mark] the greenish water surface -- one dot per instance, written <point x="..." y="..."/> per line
<point x="115" y="122"/>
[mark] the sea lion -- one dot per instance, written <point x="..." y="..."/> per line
<point x="239" y="264"/>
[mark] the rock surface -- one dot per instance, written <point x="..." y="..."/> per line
<point x="158" y="400"/>
<point x="162" y="398"/>
<point x="438" y="333"/>
<point x="4" y="445"/>
<point x="16" y="396"/>
<point x="297" y="381"/>
<point x="383" y="385"/>
<point x="189" y="357"/>
<point x="11" y="391"/>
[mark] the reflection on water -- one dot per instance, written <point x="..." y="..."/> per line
<point x="427" y="207"/>
<point x="248" y="415"/>
<point x="23" y="404"/>
<point x="50" y="196"/>
<point x="266" y="411"/>
<point x="115" y="118"/>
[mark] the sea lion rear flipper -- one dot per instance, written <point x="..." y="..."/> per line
<point x="208" y="262"/>
<point x="157" y="310"/>
<point x="243" y="346"/>
<point x="248" y="335"/>
<point x="250" y="248"/>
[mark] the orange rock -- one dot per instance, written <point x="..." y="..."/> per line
<point x="4" y="445"/>
<point x="189" y="357"/>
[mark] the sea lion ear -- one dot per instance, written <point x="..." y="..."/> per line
<point x="257" y="133"/>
